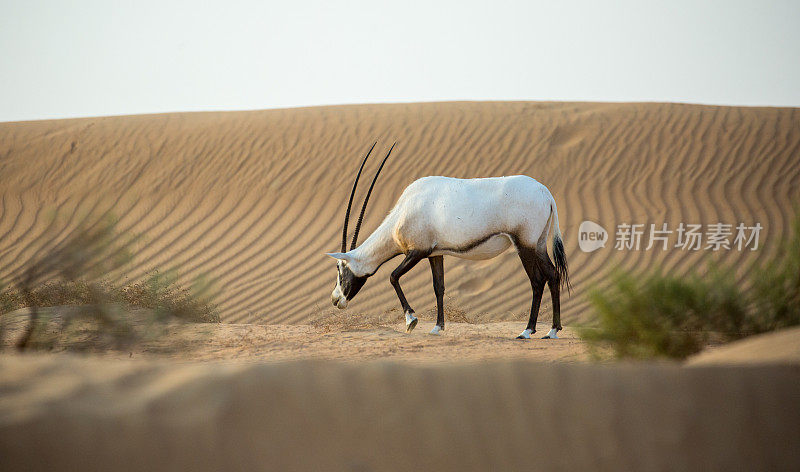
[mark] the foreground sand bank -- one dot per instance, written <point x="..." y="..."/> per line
<point x="71" y="413"/>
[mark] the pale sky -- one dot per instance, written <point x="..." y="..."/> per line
<point x="87" y="58"/>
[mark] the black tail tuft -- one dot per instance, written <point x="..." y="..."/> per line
<point x="561" y="263"/>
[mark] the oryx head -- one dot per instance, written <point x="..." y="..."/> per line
<point x="348" y="282"/>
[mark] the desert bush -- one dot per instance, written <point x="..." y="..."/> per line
<point x="653" y="315"/>
<point x="5" y="307"/>
<point x="161" y="293"/>
<point x="76" y="271"/>
<point x="776" y="288"/>
<point x="657" y="315"/>
<point x="163" y="296"/>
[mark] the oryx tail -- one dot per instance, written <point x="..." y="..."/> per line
<point x="559" y="255"/>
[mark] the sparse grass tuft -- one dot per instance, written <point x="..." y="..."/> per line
<point x="452" y="312"/>
<point x="162" y="296"/>
<point x="338" y="321"/>
<point x="333" y="320"/>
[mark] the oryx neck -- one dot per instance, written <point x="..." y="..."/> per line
<point x="378" y="248"/>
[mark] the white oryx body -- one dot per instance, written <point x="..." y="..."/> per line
<point x="467" y="218"/>
<point x="472" y="218"/>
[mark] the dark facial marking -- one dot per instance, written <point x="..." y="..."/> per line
<point x="349" y="282"/>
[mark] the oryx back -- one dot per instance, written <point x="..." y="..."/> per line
<point x="471" y="218"/>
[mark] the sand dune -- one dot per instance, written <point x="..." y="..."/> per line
<point x="254" y="199"/>
<point x="781" y="347"/>
<point x="385" y="416"/>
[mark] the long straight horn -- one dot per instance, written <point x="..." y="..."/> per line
<point x="366" y="199"/>
<point x="352" y="193"/>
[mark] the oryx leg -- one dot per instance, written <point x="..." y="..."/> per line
<point x="437" y="268"/>
<point x="554" y="282"/>
<point x="550" y="274"/>
<point x="531" y="261"/>
<point x="410" y="261"/>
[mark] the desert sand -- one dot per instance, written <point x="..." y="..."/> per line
<point x="253" y="200"/>
<point x="781" y="347"/>
<point x="341" y="338"/>
<point x="293" y="397"/>
<point x="71" y="413"/>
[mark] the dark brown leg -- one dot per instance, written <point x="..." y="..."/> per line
<point x="554" y="282"/>
<point x="533" y="267"/>
<point x="410" y="261"/>
<point x="437" y="268"/>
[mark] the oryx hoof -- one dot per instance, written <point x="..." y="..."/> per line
<point x="437" y="330"/>
<point x="553" y="334"/>
<point x="525" y="334"/>
<point x="411" y="322"/>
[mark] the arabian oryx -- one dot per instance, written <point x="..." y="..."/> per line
<point x="467" y="218"/>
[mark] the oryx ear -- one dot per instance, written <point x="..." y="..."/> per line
<point x="343" y="256"/>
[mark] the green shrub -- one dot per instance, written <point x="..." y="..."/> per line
<point x="656" y="315"/>
<point x="776" y="288"/>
